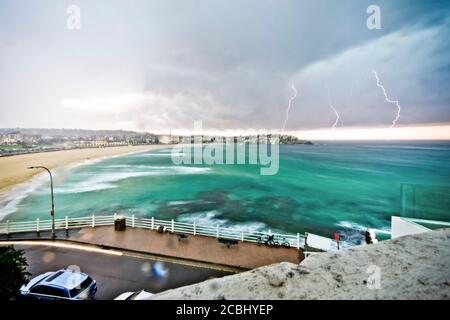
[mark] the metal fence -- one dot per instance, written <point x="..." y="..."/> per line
<point x="294" y="240"/>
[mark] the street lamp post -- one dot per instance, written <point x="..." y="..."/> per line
<point x="53" y="200"/>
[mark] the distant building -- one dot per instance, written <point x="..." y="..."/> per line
<point x="31" y="138"/>
<point x="12" y="138"/>
<point x="100" y="142"/>
<point x="164" y="139"/>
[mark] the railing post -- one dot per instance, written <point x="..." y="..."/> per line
<point x="37" y="225"/>
<point x="7" y="227"/>
<point x="172" y="225"/>
<point x="298" y="241"/>
<point x="93" y="221"/>
<point x="153" y="223"/>
<point x="115" y="216"/>
<point x="270" y="232"/>
<point x="242" y="236"/>
<point x="195" y="229"/>
<point x="217" y="231"/>
<point x="67" y="223"/>
<point x="132" y="220"/>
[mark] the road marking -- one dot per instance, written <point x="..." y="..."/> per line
<point x="62" y="245"/>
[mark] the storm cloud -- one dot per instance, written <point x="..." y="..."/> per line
<point x="154" y="65"/>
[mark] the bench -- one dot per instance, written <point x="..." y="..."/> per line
<point x="182" y="236"/>
<point x="228" y="242"/>
<point x="162" y="229"/>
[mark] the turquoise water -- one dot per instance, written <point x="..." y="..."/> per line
<point x="321" y="188"/>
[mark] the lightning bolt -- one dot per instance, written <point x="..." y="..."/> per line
<point x="291" y="100"/>
<point x="334" y="109"/>
<point x="399" y="109"/>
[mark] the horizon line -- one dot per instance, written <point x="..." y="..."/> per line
<point x="430" y="132"/>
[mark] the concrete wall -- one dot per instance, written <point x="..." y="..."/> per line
<point x="401" y="227"/>
<point x="411" y="267"/>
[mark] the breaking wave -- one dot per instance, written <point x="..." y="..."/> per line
<point x="360" y="227"/>
<point x="106" y="180"/>
<point x="210" y="218"/>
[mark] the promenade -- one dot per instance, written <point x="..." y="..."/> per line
<point x="202" y="249"/>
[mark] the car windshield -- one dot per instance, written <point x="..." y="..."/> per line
<point x="83" y="286"/>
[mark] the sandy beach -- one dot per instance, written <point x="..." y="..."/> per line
<point x="13" y="170"/>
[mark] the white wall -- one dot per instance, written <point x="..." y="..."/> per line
<point x="401" y="227"/>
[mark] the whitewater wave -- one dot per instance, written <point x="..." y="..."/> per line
<point x="210" y="218"/>
<point x="106" y="180"/>
<point x="180" y="203"/>
<point x="95" y="160"/>
<point x="359" y="227"/>
<point x="160" y="154"/>
<point x="10" y="201"/>
<point x="164" y="170"/>
<point x="87" y="162"/>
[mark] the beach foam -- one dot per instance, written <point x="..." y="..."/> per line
<point x="160" y="154"/>
<point x="10" y="201"/>
<point x="12" y="198"/>
<point x="359" y="227"/>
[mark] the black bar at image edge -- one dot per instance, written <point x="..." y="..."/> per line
<point x="236" y="309"/>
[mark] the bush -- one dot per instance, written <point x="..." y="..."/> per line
<point x="13" y="272"/>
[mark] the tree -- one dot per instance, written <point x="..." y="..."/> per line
<point x="13" y="272"/>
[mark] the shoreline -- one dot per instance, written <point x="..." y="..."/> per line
<point x="14" y="172"/>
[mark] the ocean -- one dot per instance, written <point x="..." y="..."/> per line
<point x="321" y="188"/>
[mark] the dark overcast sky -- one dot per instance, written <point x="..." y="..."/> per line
<point x="151" y="65"/>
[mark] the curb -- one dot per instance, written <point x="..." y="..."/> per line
<point x="137" y="254"/>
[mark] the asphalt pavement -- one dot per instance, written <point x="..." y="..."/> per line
<point x="116" y="273"/>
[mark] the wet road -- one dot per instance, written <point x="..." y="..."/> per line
<point x="114" y="273"/>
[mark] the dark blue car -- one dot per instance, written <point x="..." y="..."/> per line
<point x="64" y="284"/>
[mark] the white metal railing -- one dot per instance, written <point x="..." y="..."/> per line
<point x="38" y="225"/>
